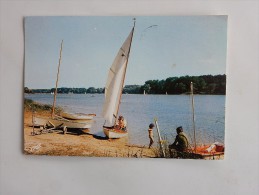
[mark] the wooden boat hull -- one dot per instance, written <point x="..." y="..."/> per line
<point x="77" y="116"/>
<point x="112" y="133"/>
<point x="46" y="121"/>
<point x="40" y="121"/>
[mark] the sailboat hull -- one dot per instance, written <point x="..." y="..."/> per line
<point x="212" y="152"/>
<point x="112" y="133"/>
<point x="77" y="116"/>
<point x="213" y="156"/>
<point x="43" y="121"/>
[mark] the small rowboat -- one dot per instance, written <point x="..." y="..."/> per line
<point x="59" y="122"/>
<point x="77" y="116"/>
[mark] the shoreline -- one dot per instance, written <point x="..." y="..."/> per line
<point x="73" y="144"/>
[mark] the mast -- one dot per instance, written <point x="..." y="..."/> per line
<point x="125" y="71"/>
<point x="193" y="119"/>
<point x="56" y="89"/>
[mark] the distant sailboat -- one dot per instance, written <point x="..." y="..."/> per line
<point x="113" y="89"/>
<point x="144" y="93"/>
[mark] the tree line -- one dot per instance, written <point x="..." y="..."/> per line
<point x="205" y="84"/>
<point x="65" y="90"/>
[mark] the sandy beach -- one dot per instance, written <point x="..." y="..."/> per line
<point x="74" y="144"/>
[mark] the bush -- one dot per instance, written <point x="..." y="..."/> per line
<point x="34" y="106"/>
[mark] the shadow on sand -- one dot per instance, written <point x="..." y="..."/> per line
<point x="100" y="137"/>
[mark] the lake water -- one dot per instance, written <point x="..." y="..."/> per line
<point x="140" y="110"/>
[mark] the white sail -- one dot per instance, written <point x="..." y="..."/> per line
<point x="114" y="84"/>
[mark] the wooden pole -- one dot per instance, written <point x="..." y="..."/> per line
<point x="33" y="131"/>
<point x="193" y="119"/>
<point x="56" y="89"/>
<point x="159" y="138"/>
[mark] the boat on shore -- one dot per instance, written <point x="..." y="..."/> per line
<point x="77" y="116"/>
<point x="114" y="88"/>
<point x="60" y="123"/>
<point x="214" y="151"/>
<point x="114" y="133"/>
<point x="56" y="122"/>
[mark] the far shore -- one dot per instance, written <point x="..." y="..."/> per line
<point x="186" y="93"/>
<point x="74" y="144"/>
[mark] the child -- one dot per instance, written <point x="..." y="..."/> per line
<point x="122" y="124"/>
<point x="150" y="134"/>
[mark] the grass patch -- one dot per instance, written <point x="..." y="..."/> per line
<point x="30" y="105"/>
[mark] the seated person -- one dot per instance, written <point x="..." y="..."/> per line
<point x="181" y="141"/>
<point x="121" y="124"/>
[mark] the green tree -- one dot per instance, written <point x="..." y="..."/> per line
<point x="91" y="90"/>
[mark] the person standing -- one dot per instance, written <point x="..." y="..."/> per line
<point x="150" y="134"/>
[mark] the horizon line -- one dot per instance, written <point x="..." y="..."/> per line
<point x="224" y="74"/>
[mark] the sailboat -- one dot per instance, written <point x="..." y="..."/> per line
<point x="144" y="93"/>
<point x="212" y="151"/>
<point x="113" y="89"/>
<point x="58" y="121"/>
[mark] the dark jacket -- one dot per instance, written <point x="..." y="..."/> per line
<point x="181" y="142"/>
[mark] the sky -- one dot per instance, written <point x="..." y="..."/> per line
<point x="162" y="47"/>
